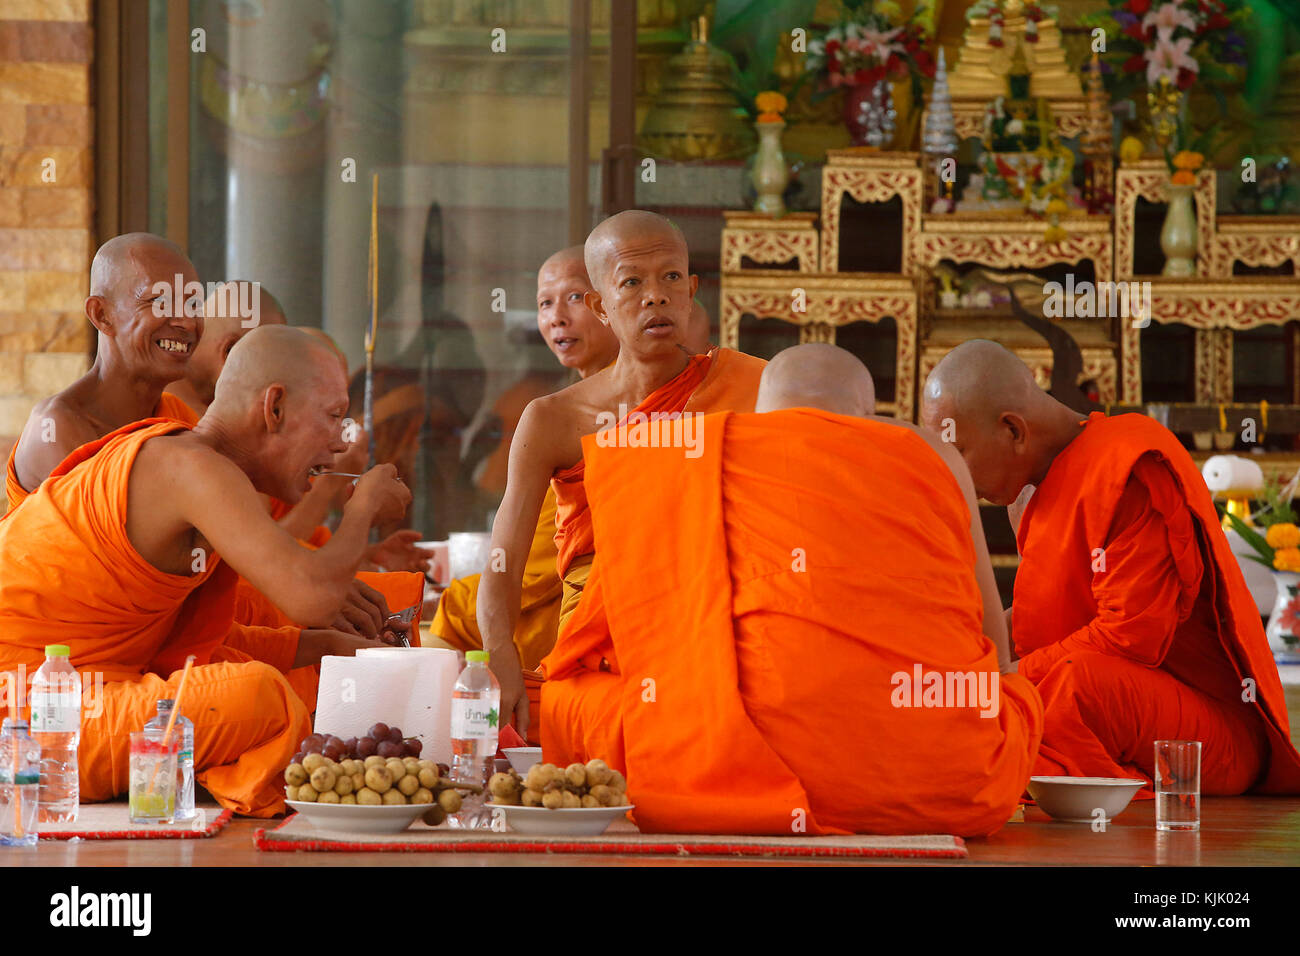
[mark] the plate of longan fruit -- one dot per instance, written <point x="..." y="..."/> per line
<point x="371" y="784"/>
<point x="577" y="800"/>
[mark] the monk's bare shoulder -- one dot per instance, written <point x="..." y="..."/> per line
<point x="552" y="426"/>
<point x="55" y="428"/>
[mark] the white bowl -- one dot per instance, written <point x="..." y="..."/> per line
<point x="539" y="821"/>
<point x="523" y="758"/>
<point x="1076" y="799"/>
<point x="356" y="818"/>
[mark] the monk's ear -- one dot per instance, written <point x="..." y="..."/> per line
<point x="1015" y="426"/>
<point x="273" y="407"/>
<point x="596" y="304"/>
<point x="695" y="285"/>
<point x="97" y="312"/>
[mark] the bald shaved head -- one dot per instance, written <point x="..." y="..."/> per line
<point x="817" y="375"/>
<point x="578" y="339"/>
<point x="274" y="354"/>
<point x="564" y="260"/>
<point x="984" y="400"/>
<point x="116" y="258"/>
<point x="630" y="227"/>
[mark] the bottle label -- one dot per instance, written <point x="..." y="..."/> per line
<point x="56" y="713"/>
<point x="473" y="719"/>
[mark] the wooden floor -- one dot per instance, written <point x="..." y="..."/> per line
<point x="1235" y="831"/>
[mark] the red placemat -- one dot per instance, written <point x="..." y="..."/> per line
<point x="112" y="821"/>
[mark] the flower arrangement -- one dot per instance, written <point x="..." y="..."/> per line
<point x="1184" y="165"/>
<point x="1180" y="40"/>
<point x="1278" y="548"/>
<point x="771" y="106"/>
<point x="991" y="10"/>
<point x="869" y="45"/>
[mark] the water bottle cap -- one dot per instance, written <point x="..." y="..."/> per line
<point x="10" y="724"/>
<point x="476" y="657"/>
<point x="166" y="704"/>
<point x="58" y="650"/>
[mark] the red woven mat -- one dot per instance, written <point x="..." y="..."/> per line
<point x="621" y="839"/>
<point x="112" y="821"/>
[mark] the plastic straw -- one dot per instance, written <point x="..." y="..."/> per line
<point x="171" y="721"/>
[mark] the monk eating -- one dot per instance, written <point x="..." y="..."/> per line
<point x="1130" y="613"/>
<point x="806" y="635"/>
<point x="147" y="331"/>
<point x="642" y="290"/>
<point x="128" y="553"/>
<point x="580" y="342"/>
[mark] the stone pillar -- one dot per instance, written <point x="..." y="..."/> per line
<point x="46" y="177"/>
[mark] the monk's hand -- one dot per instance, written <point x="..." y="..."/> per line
<point x="504" y="662"/>
<point x="398" y="552"/>
<point x="363" y="613"/>
<point x="317" y="642"/>
<point x="382" y="492"/>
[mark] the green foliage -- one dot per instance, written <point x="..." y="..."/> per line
<point x="749" y="32"/>
<point x="1254" y="539"/>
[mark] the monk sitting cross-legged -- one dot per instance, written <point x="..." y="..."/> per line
<point x="797" y="629"/>
<point x="1130" y="614"/>
<point x="582" y="343"/>
<point x="643" y="291"/>
<point x="128" y="553"/>
<point x="143" y="344"/>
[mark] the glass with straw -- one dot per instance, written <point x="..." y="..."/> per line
<point x="152" y="789"/>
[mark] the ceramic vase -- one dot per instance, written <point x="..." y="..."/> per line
<point x="770" y="173"/>
<point x="1284" y="622"/>
<point x="1178" y="237"/>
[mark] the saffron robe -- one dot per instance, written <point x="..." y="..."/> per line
<point x="1133" y="619"/>
<point x="761" y="625"/>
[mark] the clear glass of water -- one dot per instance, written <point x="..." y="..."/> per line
<point x="1178" y="784"/>
<point x="152" y="787"/>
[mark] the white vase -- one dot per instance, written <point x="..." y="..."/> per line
<point x="1178" y="237"/>
<point x="1282" y="639"/>
<point x="770" y="174"/>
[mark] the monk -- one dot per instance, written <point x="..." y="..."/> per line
<point x="1130" y="613"/>
<point x="144" y="343"/>
<point x="643" y="291"/>
<point x="782" y="653"/>
<point x="128" y="553"/>
<point x="582" y="343"/>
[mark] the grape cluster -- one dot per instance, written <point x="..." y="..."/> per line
<point x="380" y="740"/>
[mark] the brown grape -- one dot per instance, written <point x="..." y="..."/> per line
<point x="334" y="751"/>
<point x="413" y="746"/>
<point x="395" y="734"/>
<point x="389" y="749"/>
<point x="350" y="745"/>
<point x="312" y="744"/>
<point x="378" y="732"/>
<point x="444" y="769"/>
<point x="366" y="747"/>
<point x="297" y="758"/>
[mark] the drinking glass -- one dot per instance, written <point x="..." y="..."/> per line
<point x="152" y="787"/>
<point x="1178" y="784"/>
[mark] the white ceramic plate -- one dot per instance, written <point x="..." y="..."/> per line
<point x="523" y="758"/>
<point x="539" y="821"/>
<point x="355" y="818"/>
<point x="1077" y="799"/>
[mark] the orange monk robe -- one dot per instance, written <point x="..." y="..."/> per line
<point x="765" y="607"/>
<point x="70" y="575"/>
<point x="1132" y="618"/>
<point x="169" y="406"/>
<point x="722" y="380"/>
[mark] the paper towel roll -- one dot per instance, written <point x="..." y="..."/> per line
<point x="1232" y="473"/>
<point x="406" y="687"/>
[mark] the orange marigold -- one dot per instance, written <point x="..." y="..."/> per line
<point x="1183" y="178"/>
<point x="1287" y="559"/>
<point x="769" y="117"/>
<point x="770" y="101"/>
<point x="1186" y="159"/>
<point x="1283" y="535"/>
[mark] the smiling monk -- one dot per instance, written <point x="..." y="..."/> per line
<point x="1130" y="613"/>
<point x="144" y="344"/>
<point x="129" y="552"/>
<point x="643" y="291"/>
<point x="580" y="342"/>
<point x="809" y="610"/>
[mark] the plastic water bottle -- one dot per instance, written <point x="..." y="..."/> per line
<point x="184" y="759"/>
<point x="56" y="727"/>
<point x="475" y="720"/>
<point x="20" y="784"/>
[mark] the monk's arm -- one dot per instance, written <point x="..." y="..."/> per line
<point x="312" y="509"/>
<point x="51" y="435"/>
<point x="1142" y="593"/>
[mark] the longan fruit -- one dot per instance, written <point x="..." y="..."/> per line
<point x="575" y="774"/>
<point x="450" y="800"/>
<point x="379" y="780"/>
<point x="623" y="801"/>
<point x="423" y="795"/>
<point x="368" y="798"/>
<point x="343" y="785"/>
<point x="396" y="769"/>
<point x="617" y="781"/>
<point x="408" y="785"/>
<point x="312" y="761"/>
<point x="323" y="780"/>
<point x="427" y="765"/>
<point x="501" y="784"/>
<point x="411" y="764"/>
<point x="589" y="802"/>
<point x="537" y="777"/>
<point x="328" y="796"/>
<point x="358" y="780"/>
<point x="598" y="772"/>
<point x="350" y="799"/>
<point x="570" y="800"/>
<point x="351" y="766"/>
<point x="553" y="799"/>
<point x="434" y="815"/>
<point x="307" y="793"/>
<point x="531" y="798"/>
<point x="604" y="794"/>
<point x="294" y="775"/>
<point x="291" y="792"/>
<point x="394" y="797"/>
<point x="374" y="760"/>
<point x="428" y="777"/>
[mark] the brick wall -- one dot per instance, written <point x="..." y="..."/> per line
<point x="45" y="226"/>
